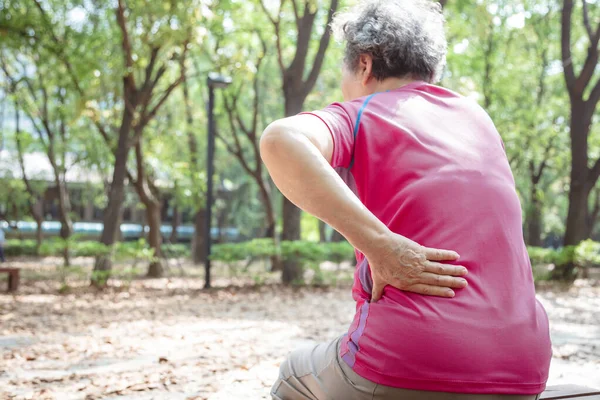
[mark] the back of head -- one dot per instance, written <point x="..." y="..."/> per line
<point x="405" y="38"/>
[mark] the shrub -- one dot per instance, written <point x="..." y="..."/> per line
<point x="16" y="248"/>
<point x="176" y="250"/>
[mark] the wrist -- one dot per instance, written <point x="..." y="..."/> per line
<point x="372" y="242"/>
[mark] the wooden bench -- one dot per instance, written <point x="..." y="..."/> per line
<point x="13" y="278"/>
<point x="570" y="392"/>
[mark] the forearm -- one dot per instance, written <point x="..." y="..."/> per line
<point x="305" y="177"/>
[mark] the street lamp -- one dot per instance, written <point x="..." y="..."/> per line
<point x="214" y="81"/>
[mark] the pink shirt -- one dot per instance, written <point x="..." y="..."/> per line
<point x="431" y="165"/>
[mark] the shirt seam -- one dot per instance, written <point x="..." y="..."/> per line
<point x="314" y="114"/>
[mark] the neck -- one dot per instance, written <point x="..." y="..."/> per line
<point x="391" y="84"/>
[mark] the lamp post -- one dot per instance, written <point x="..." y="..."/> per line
<point x="214" y="81"/>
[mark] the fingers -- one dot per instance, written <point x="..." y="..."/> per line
<point x="445" y="269"/>
<point x="377" y="291"/>
<point x="441" y="255"/>
<point x="429" y="290"/>
<point x="443" y="281"/>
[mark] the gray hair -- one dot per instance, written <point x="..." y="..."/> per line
<point x="405" y="38"/>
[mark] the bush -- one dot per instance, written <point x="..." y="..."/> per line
<point x="234" y="252"/>
<point x="54" y="247"/>
<point x="176" y="251"/>
<point x="308" y="254"/>
<point x="584" y="255"/>
<point x="539" y="255"/>
<point x="16" y="248"/>
<point x="138" y="251"/>
<point x="89" y="249"/>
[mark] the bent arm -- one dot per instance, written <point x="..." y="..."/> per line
<point x="297" y="152"/>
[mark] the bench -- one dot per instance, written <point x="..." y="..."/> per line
<point x="13" y="278"/>
<point x="570" y="392"/>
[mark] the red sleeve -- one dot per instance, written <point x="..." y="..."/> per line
<point x="339" y="118"/>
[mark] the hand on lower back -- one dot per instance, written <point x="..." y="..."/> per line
<point x="408" y="266"/>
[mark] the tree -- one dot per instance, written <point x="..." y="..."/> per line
<point x="46" y="105"/>
<point x="544" y="151"/>
<point x="32" y="191"/>
<point x="296" y="87"/>
<point x="246" y="135"/>
<point x="33" y="203"/>
<point x="584" y="95"/>
<point x="138" y="111"/>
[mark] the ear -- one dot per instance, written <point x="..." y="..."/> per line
<point x="365" y="69"/>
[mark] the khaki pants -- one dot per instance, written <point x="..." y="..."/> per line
<point x="318" y="373"/>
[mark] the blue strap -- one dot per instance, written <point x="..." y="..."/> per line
<point x="357" y="124"/>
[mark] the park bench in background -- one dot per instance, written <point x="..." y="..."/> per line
<point x="570" y="392"/>
<point x="13" y="278"/>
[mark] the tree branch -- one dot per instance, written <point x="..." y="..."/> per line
<point x="256" y="104"/>
<point x="59" y="49"/>
<point x="231" y="107"/>
<point x="234" y="131"/>
<point x="21" y="158"/>
<point x="126" y="46"/>
<point x="237" y="154"/>
<point x="149" y="71"/>
<point x="567" y="60"/>
<point x="544" y="163"/>
<point x="586" y="20"/>
<point x="591" y="60"/>
<point x="141" y="175"/>
<point x="276" y="24"/>
<point x="594" y="174"/>
<point x="296" y="11"/>
<point x="323" y="44"/>
<point x="594" y="95"/>
<point x="160" y="103"/>
<point x="296" y="69"/>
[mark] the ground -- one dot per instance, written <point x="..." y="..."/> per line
<point x="168" y="339"/>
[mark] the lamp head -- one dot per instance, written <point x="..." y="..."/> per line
<point x="217" y="81"/>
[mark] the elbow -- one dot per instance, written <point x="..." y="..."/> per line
<point x="273" y="140"/>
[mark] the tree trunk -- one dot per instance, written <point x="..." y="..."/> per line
<point x="534" y="219"/>
<point x="155" y="269"/>
<point x="115" y="200"/>
<point x="39" y="234"/>
<point x="270" y="231"/>
<point x="577" y="217"/>
<point x="36" y="208"/>
<point x="322" y="232"/>
<point x="66" y="225"/>
<point x="576" y="229"/>
<point x="292" y="270"/>
<point x="175" y="224"/>
<point x="337" y="237"/>
<point x="198" y="253"/>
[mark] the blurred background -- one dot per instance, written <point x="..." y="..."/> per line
<point x="114" y="114"/>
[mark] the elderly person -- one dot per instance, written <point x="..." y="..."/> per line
<point x="423" y="165"/>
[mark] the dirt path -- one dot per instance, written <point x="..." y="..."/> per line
<point x="165" y="339"/>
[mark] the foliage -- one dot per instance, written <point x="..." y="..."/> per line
<point x="17" y="248"/>
<point x="175" y="250"/>
<point x="585" y="255"/>
<point x="307" y="253"/>
<point x="123" y="251"/>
